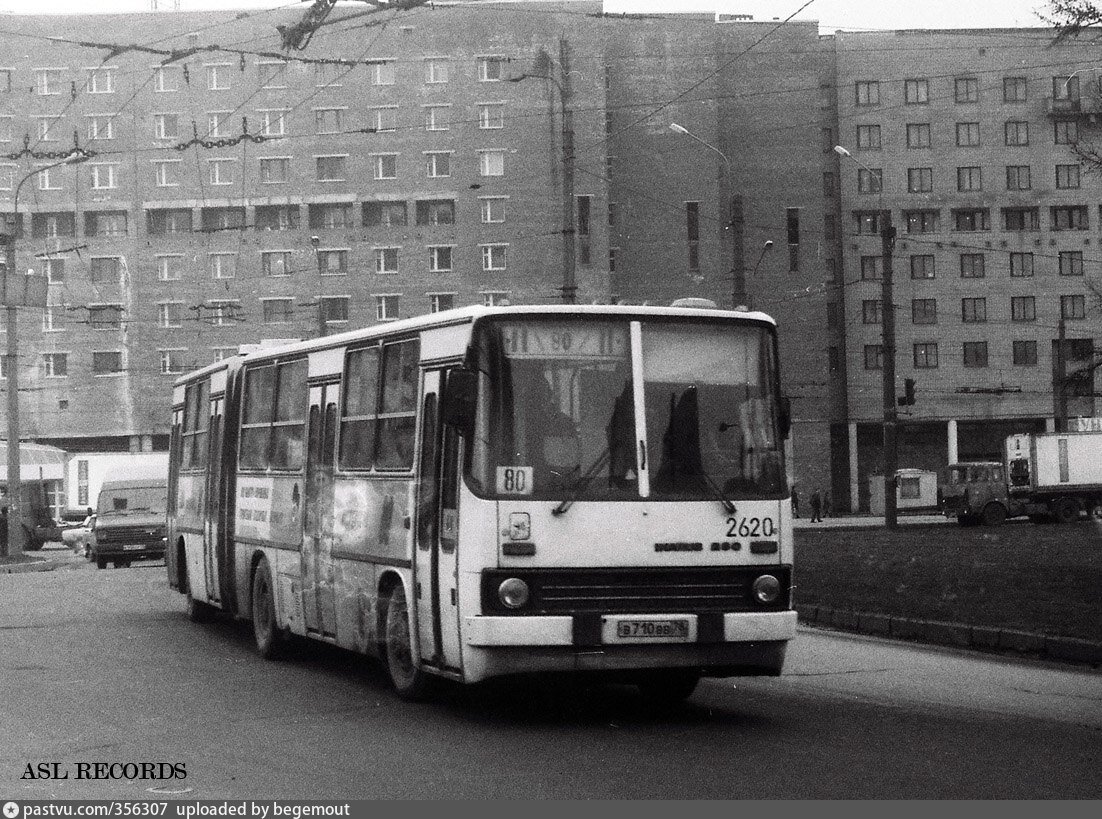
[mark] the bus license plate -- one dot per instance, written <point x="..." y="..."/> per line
<point x="673" y="630"/>
<point x="133" y="547"/>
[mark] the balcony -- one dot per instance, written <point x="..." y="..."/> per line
<point x="1081" y="106"/>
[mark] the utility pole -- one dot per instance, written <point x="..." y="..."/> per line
<point x="1060" y="387"/>
<point x="11" y="359"/>
<point x="891" y="416"/>
<point x="737" y="226"/>
<point x="569" y="285"/>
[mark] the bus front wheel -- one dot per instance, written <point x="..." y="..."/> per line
<point x="409" y="681"/>
<point x="271" y="640"/>
<point x="663" y="689"/>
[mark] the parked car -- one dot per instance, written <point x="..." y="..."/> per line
<point x="130" y="516"/>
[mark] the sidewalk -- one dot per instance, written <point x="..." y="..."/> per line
<point x="867" y="521"/>
<point x="52" y="555"/>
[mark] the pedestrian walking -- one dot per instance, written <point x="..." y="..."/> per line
<point x="816" y="507"/>
<point x="795" y="502"/>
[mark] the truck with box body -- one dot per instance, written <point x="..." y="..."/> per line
<point x="131" y="515"/>
<point x="1055" y="475"/>
<point x="976" y="493"/>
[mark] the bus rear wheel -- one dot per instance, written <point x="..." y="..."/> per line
<point x="408" y="679"/>
<point x="271" y="641"/>
<point x="664" y="689"/>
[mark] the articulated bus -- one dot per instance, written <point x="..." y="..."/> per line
<point x="486" y="492"/>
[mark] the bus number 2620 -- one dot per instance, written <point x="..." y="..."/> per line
<point x="750" y="527"/>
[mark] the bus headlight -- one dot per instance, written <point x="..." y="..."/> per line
<point x="513" y="592"/>
<point x="766" y="589"/>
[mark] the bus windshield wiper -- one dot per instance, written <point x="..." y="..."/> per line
<point x="717" y="493"/>
<point x="579" y="486"/>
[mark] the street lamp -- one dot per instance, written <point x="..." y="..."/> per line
<point x="15" y="520"/>
<point x="681" y="129"/>
<point x="569" y="285"/>
<point x="887" y="324"/>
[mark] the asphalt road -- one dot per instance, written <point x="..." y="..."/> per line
<point x="103" y="666"/>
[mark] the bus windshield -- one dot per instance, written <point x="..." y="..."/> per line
<point x="558" y="400"/>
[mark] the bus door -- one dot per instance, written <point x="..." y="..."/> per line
<point x="318" y="581"/>
<point x="212" y="499"/>
<point x="437" y="528"/>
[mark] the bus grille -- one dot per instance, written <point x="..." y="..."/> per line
<point x="130" y="534"/>
<point x="634" y="591"/>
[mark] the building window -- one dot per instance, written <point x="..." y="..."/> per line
<point x="1025" y="353"/>
<point x="272" y="74"/>
<point x="868" y="137"/>
<point x="273" y="122"/>
<point x="386" y="308"/>
<point x="105" y="269"/>
<point x="874" y="357"/>
<point x="332" y="262"/>
<point x="105" y="316"/>
<point x="1014" y="89"/>
<point x="1066" y="132"/>
<point x="867" y="92"/>
<point x="1067" y="176"/>
<point x="1023" y="308"/>
<point x="331" y="216"/>
<point x="166" y="126"/>
<point x="440" y="259"/>
<point x="1071" y="263"/>
<point x="328" y="75"/>
<point x="1018" y="178"/>
<point x="1021" y="265"/>
<point x="436" y="117"/>
<point x="218" y="76"/>
<point x="170" y="314"/>
<point x="49" y="179"/>
<point x="495" y="298"/>
<point x="792" y="231"/>
<point x="1069" y="217"/>
<point x="384" y="118"/>
<point x="386" y="259"/>
<point x="275" y="263"/>
<point x="101" y="80"/>
<point x="870" y="180"/>
<point x="973" y="310"/>
<point x="333" y="309"/>
<point x="105" y="223"/>
<point x="583" y="228"/>
<point x="1016" y="132"/>
<point x="219" y="219"/>
<point x="276" y="311"/>
<point x="382" y="73"/>
<point x="169" y="267"/>
<point x="55" y="365"/>
<point x="53" y="225"/>
<point x="221" y="171"/>
<point x="692" y="235"/>
<point x="168" y="220"/>
<point x="224" y="313"/>
<point x="166" y="78"/>
<point x="101" y="127"/>
<point x="491" y="69"/>
<point x="828" y="184"/>
<point x="966" y="89"/>
<point x="494" y="257"/>
<point x="436" y="212"/>
<point x="920" y="180"/>
<point x="925" y="355"/>
<point x="970" y="179"/>
<point x="328" y="120"/>
<point x="491" y="163"/>
<point x="924" y="311"/>
<point x="331" y="168"/>
<point x="918" y="135"/>
<point x="441" y="301"/>
<point x="1073" y="307"/>
<point x="867" y="222"/>
<point x="1065" y="88"/>
<point x="218" y="123"/>
<point x="384" y="214"/>
<point x="48" y="81"/>
<point x="1021" y="218"/>
<point x="55" y="270"/>
<point x="222" y="265"/>
<point x="916" y="92"/>
<point x="493" y="209"/>
<point x="872" y="267"/>
<point x="172" y="361"/>
<point x="384" y="166"/>
<point x="968" y="134"/>
<point x="438" y="164"/>
<point x="975" y="354"/>
<point x="436" y="70"/>
<point x="922" y="221"/>
<point x="491" y="115"/>
<point x="972" y="266"/>
<point x="105" y="176"/>
<point x="277" y="217"/>
<point x="870" y="311"/>
<point x="274" y="170"/>
<point x="922" y="266"/>
<point x="166" y="173"/>
<point x="53" y="318"/>
<point x="970" y="219"/>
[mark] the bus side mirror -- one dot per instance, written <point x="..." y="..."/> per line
<point x="785" y="415"/>
<point x="460" y="399"/>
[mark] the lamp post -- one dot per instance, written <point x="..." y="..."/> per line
<point x="569" y="283"/>
<point x="734" y="224"/>
<point x="15" y="521"/>
<point x="887" y="324"/>
<point x="315" y="242"/>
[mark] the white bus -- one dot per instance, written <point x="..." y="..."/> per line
<point x="486" y="492"/>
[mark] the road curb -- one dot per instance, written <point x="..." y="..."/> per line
<point x="28" y="566"/>
<point x="959" y="635"/>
